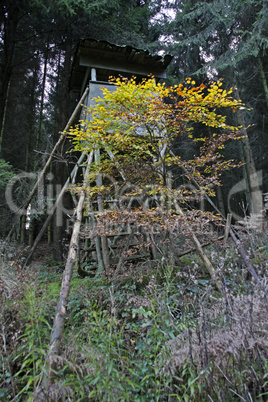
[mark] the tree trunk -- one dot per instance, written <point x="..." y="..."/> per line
<point x="59" y="171"/>
<point x="256" y="203"/>
<point x="104" y="241"/>
<point x="40" y="120"/>
<point x="263" y="79"/>
<point x="28" y="164"/>
<point x="4" y="119"/>
<point x="11" y="20"/>
<point x="220" y="201"/>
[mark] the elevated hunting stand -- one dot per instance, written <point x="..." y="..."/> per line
<point x="94" y="63"/>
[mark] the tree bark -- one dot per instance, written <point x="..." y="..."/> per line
<point x="40" y="120"/>
<point x="220" y="201"/>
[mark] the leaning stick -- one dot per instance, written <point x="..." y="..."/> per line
<point x="202" y="254"/>
<point x="56" y="146"/>
<point x="232" y="233"/>
<point x="59" y="320"/>
<point x="53" y="210"/>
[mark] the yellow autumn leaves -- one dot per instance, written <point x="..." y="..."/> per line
<point x="139" y="120"/>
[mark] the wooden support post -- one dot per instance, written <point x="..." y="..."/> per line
<point x="56" y="146"/>
<point x="59" y="321"/>
<point x="104" y="241"/>
<point x="53" y="209"/>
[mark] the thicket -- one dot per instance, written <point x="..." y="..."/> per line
<point x="156" y="332"/>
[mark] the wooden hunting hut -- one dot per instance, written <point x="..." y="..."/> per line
<point x="95" y="61"/>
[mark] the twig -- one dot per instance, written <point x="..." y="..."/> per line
<point x="223" y="373"/>
<point x="243" y="399"/>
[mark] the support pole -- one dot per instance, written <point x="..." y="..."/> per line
<point x="59" y="321"/>
<point x="56" y="146"/>
<point x="104" y="241"/>
<point x="53" y="210"/>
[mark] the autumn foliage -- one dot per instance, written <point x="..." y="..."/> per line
<point x="135" y="126"/>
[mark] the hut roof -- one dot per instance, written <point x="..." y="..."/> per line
<point x="110" y="59"/>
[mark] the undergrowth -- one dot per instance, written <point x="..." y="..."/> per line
<point x="163" y="333"/>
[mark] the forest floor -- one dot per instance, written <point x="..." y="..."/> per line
<point x="160" y="332"/>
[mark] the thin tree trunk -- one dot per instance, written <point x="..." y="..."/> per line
<point x="27" y="165"/>
<point x="22" y="229"/>
<point x="31" y="231"/>
<point x="245" y="176"/>
<point x="125" y="249"/>
<point x="54" y="132"/>
<point x="40" y="120"/>
<point x="252" y="176"/>
<point x="104" y="241"/>
<point x="4" y="119"/>
<point x="64" y="106"/>
<point x="227" y="228"/>
<point x="220" y="201"/>
<point x="263" y="79"/>
<point x="98" y="248"/>
<point x="10" y="24"/>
